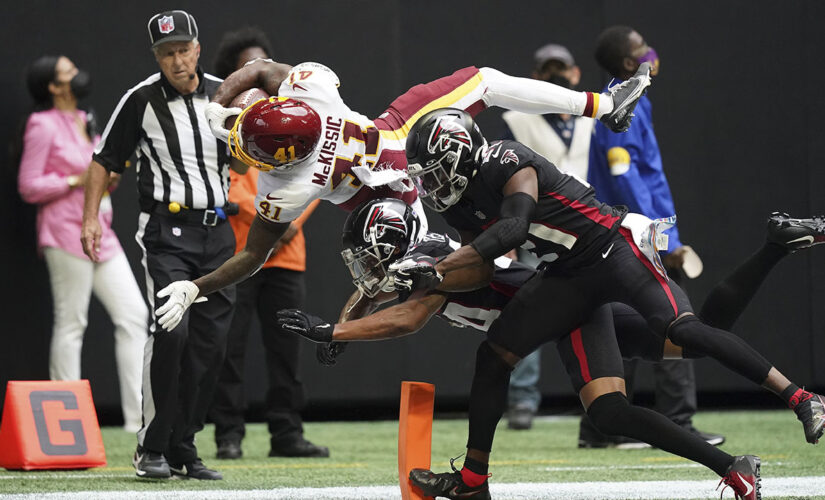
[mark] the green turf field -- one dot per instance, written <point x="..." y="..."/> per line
<point x="364" y="453"/>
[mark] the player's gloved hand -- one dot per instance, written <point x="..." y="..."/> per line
<point x="327" y="353"/>
<point x="415" y="271"/>
<point x="182" y="294"/>
<point x="216" y="116"/>
<point x="305" y="325"/>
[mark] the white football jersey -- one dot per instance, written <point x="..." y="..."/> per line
<point x="348" y="139"/>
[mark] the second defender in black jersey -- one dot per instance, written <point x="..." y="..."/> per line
<point x="593" y="255"/>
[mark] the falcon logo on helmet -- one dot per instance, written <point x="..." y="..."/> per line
<point x="448" y="130"/>
<point x="275" y="134"/>
<point x="380" y="221"/>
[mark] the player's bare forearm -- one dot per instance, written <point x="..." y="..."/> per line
<point x="267" y="75"/>
<point x="359" y="305"/>
<point x="396" y="321"/>
<point x="467" y="278"/>
<point x="96" y="183"/>
<point x="464" y="257"/>
<point x="262" y="238"/>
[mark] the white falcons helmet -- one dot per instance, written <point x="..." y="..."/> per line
<point x="441" y="149"/>
<point x="376" y="234"/>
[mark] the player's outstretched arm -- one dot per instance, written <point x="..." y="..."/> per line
<point x="396" y="321"/>
<point x="263" y="236"/>
<point x="265" y="74"/>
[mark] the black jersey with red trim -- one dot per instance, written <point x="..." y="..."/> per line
<point x="569" y="225"/>
<point x="477" y="308"/>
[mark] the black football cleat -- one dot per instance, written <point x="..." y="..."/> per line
<point x="811" y="412"/>
<point x="195" y="470"/>
<point x="743" y="478"/>
<point x="447" y="485"/>
<point x="625" y="97"/>
<point x="795" y="234"/>
<point x="150" y="465"/>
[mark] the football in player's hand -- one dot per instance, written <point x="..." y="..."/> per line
<point x="242" y="101"/>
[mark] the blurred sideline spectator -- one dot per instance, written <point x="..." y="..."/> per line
<point x="626" y="169"/>
<point x="278" y="285"/>
<point x="58" y="141"/>
<point x="565" y="141"/>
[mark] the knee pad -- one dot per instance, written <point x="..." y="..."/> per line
<point x="606" y="412"/>
<point x="679" y="328"/>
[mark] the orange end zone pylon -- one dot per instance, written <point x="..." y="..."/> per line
<point x="50" y="425"/>
<point x="415" y="433"/>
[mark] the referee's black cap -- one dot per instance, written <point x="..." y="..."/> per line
<point x="172" y="26"/>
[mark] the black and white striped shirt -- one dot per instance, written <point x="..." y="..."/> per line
<point x="178" y="158"/>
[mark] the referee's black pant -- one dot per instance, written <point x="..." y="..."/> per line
<point x="263" y="294"/>
<point x="181" y="367"/>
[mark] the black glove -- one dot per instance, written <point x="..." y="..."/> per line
<point x="326" y="353"/>
<point x="415" y="271"/>
<point x="305" y="325"/>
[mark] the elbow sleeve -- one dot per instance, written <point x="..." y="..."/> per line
<point x="510" y="231"/>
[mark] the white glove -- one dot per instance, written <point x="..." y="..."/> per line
<point x="181" y="295"/>
<point x="216" y="115"/>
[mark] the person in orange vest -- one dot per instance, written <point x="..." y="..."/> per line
<point x="278" y="284"/>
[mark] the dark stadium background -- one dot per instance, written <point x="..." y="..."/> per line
<point x="739" y="111"/>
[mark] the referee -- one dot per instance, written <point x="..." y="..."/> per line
<point x="182" y="180"/>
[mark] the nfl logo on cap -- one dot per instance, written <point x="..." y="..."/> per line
<point x="172" y="26"/>
<point x="166" y="24"/>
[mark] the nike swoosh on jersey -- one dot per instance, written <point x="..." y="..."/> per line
<point x="809" y="239"/>
<point x="606" y="252"/>
<point x="272" y="198"/>
<point x="747" y="484"/>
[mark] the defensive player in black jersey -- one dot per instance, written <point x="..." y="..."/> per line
<point x="378" y="232"/>
<point x="503" y="195"/>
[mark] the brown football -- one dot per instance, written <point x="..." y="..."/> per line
<point x="243" y="100"/>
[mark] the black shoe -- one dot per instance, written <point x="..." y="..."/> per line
<point x="447" y="485"/>
<point x="625" y="97"/>
<point x="795" y="234"/>
<point x="520" y="418"/>
<point x="195" y="470"/>
<point x="743" y="478"/>
<point x="150" y="465"/>
<point x="811" y="412"/>
<point x="708" y="437"/>
<point x="229" y="450"/>
<point x="298" y="447"/>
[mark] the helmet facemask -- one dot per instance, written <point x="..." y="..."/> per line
<point x="438" y="182"/>
<point x="368" y="266"/>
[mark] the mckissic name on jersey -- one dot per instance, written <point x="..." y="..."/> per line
<point x="477" y="308"/>
<point x="569" y="225"/>
<point x="348" y="139"/>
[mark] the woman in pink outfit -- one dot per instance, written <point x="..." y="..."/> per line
<point x="57" y="148"/>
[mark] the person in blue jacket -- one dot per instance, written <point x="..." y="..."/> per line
<point x="626" y="169"/>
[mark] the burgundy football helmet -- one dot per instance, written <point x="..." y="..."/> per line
<point x="275" y="133"/>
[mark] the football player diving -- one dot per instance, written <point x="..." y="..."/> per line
<point x="311" y="145"/>
<point x="502" y="195"/>
<point x="379" y="232"/>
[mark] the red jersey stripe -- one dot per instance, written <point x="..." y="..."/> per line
<point x="581" y="355"/>
<point x="591" y="213"/>
<point x="661" y="279"/>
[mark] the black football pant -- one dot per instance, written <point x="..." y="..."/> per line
<point x="262" y="295"/>
<point x="551" y="305"/>
<point x="181" y="367"/>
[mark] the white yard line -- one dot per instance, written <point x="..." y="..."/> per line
<point x="771" y="487"/>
